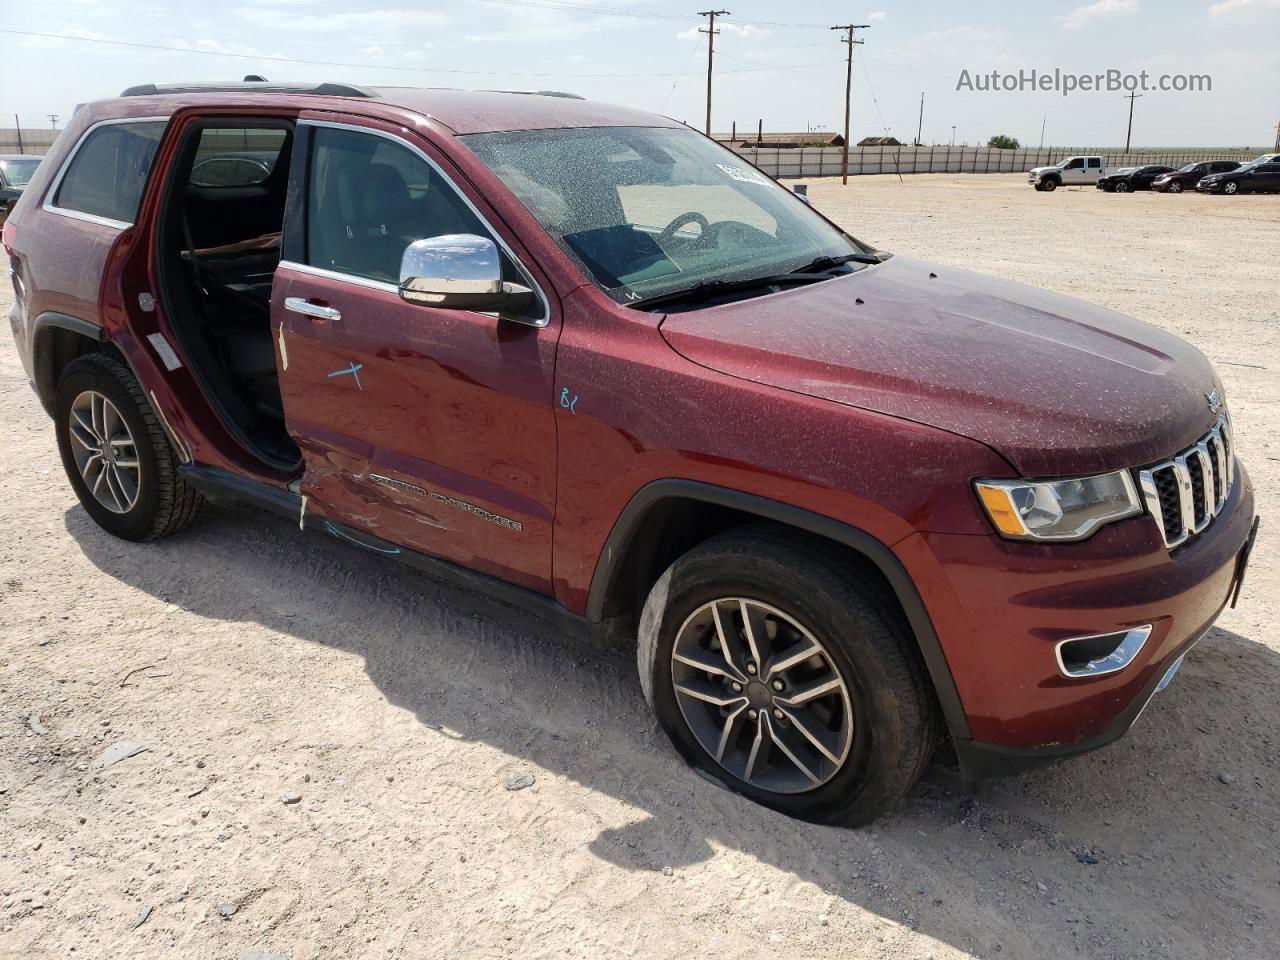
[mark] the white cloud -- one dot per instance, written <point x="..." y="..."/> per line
<point x="877" y="16"/>
<point x="1099" y="10"/>
<point x="372" y="51"/>
<point x="1231" y="7"/>
<point x="747" y="31"/>
<point x="365" y="22"/>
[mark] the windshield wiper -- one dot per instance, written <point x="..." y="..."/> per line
<point x="701" y="292"/>
<point x="818" y="264"/>
<point x="811" y="272"/>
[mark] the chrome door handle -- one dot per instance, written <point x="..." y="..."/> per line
<point x="309" y="309"/>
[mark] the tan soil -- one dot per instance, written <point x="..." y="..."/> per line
<point x="280" y="662"/>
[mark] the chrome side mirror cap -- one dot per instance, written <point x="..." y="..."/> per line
<point x="458" y="271"/>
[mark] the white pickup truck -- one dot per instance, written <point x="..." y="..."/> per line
<point x="1073" y="170"/>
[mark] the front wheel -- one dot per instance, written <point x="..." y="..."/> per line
<point x="1122" y="188"/>
<point x="1049" y="186"/>
<point x="778" y="667"/>
<point x="116" y="454"/>
<point x="1231" y="187"/>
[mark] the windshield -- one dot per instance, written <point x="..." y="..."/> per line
<point x="650" y="211"/>
<point x="18" y="173"/>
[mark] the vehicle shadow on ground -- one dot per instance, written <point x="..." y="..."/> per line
<point x="1005" y="872"/>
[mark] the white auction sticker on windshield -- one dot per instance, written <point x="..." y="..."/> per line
<point x="745" y="174"/>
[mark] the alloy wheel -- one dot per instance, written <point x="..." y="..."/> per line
<point x="105" y="452"/>
<point x="1175" y="187"/>
<point x="1230" y="187"/>
<point x="762" y="695"/>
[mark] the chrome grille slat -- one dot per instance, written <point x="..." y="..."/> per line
<point x="1184" y="493"/>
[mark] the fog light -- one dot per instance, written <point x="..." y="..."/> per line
<point x="1102" y="653"/>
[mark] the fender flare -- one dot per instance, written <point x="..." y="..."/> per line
<point x="876" y="552"/>
<point x="43" y="359"/>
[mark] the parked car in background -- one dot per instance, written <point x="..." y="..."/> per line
<point x="1186" y="178"/>
<point x="1267" y="158"/>
<point x="1253" y="177"/>
<point x="840" y="505"/>
<point x="1128" y="179"/>
<point x="16" y="170"/>
<point x="1074" y="171"/>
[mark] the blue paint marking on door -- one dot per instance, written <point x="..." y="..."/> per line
<point x="354" y="370"/>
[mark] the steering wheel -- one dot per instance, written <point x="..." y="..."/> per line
<point x="668" y="233"/>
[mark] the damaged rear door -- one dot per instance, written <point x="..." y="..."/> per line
<point x="428" y="429"/>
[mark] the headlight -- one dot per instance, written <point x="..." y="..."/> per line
<point x="1058" y="509"/>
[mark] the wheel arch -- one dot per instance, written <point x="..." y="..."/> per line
<point x="56" y="340"/>
<point x="666" y="518"/>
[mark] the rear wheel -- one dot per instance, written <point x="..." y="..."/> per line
<point x="779" y="668"/>
<point x="116" y="454"/>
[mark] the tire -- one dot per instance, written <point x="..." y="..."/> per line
<point x="138" y="495"/>
<point x="1175" y="187"/>
<point x="1230" y="187"/>
<point x="1049" y="185"/>
<point x="879" y="728"/>
<point x="1122" y="187"/>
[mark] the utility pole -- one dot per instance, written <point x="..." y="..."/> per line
<point x="848" y="29"/>
<point x="953" y="134"/>
<point x="18" y="126"/>
<point x="711" y="31"/>
<point x="1130" y="97"/>
<point x="53" y="120"/>
<point x="1043" y="121"/>
<point x="920" y="125"/>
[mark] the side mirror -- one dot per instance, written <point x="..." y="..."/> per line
<point x="801" y="190"/>
<point x="459" y="271"/>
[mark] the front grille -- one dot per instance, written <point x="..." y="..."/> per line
<point x="1185" y="493"/>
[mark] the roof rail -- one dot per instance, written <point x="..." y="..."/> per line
<point x="543" y="93"/>
<point x="250" y="84"/>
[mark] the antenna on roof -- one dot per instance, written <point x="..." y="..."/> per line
<point x="254" y="78"/>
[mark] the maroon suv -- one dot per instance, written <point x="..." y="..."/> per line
<point x="846" y="505"/>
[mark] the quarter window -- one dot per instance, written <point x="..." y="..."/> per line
<point x="109" y="170"/>
<point x="370" y="198"/>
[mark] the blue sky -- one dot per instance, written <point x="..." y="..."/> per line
<point x="774" y="61"/>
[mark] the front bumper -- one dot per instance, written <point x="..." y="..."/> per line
<point x="1000" y="609"/>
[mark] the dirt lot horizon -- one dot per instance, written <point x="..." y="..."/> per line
<point x="329" y="739"/>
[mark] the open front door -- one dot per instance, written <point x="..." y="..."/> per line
<point x="430" y="429"/>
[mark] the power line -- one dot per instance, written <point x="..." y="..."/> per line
<point x="363" y="66"/>
<point x="631" y="12"/>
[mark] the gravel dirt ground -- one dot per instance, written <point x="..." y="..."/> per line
<point x="331" y="740"/>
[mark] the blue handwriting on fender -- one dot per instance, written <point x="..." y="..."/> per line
<point x="568" y="404"/>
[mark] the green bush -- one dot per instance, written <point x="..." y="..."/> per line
<point x="1001" y="142"/>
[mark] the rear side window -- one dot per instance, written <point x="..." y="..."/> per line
<point x="109" y="169"/>
<point x="236" y="157"/>
<point x="370" y="198"/>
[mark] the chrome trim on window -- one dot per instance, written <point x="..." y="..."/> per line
<point x="352" y="278"/>
<point x="445" y="178"/>
<point x="1215" y="450"/>
<point x="52" y="191"/>
<point x="1130" y="645"/>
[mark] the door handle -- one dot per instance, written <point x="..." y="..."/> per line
<point x="309" y="309"/>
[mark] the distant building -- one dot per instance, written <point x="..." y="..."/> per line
<point x="811" y="138"/>
<point x="879" y="142"/>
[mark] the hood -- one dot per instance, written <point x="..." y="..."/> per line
<point x="1042" y="169"/>
<point x="1057" y="386"/>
